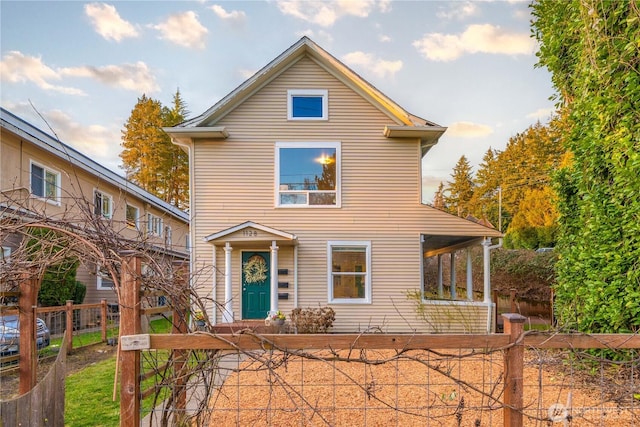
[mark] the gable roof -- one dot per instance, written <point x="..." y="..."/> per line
<point x="407" y="125"/>
<point x="282" y="237"/>
<point x="57" y="148"/>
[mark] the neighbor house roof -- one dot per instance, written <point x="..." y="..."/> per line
<point x="407" y="125"/>
<point x="57" y="148"/>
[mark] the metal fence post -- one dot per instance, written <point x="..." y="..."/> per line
<point x="513" y="370"/>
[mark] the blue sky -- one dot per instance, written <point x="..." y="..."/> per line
<point x="467" y="65"/>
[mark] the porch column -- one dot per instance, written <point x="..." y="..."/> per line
<point x="227" y="315"/>
<point x="452" y="275"/>
<point x="469" y="276"/>
<point x="274" y="276"/>
<point x="440" y="287"/>
<point x="486" y="257"/>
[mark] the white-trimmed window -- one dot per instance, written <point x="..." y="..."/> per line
<point x="307" y="174"/>
<point x="349" y="272"/>
<point x="154" y="225"/>
<point x="45" y="182"/>
<point x="307" y="104"/>
<point x="103" y="279"/>
<point x="103" y="204"/>
<point x="132" y="215"/>
<point x="168" y="235"/>
<point x="5" y="255"/>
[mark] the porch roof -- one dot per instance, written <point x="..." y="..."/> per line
<point x="250" y="233"/>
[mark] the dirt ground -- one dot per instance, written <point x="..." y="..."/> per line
<point x="77" y="360"/>
<point x="428" y="390"/>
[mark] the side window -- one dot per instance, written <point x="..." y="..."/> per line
<point x="45" y="183"/>
<point x="307" y="104"/>
<point x="103" y="279"/>
<point x="307" y="174"/>
<point x="103" y="204"/>
<point x="167" y="235"/>
<point x="133" y="214"/>
<point x="5" y="255"/>
<point x="154" y="225"/>
<point x="349" y="272"/>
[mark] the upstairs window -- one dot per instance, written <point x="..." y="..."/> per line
<point x="45" y="183"/>
<point x="307" y="104"/>
<point x="307" y="174"/>
<point x="133" y="213"/>
<point x="103" y="204"/>
<point x="154" y="225"/>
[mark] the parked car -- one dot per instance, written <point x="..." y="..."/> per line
<point x="10" y="335"/>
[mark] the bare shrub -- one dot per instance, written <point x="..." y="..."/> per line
<point x="313" y="320"/>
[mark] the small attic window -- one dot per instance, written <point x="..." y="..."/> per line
<point x="307" y="104"/>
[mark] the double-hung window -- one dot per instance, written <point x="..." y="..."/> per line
<point x="307" y="174"/>
<point x="307" y="104"/>
<point x="349" y="271"/>
<point x="45" y="183"/>
<point x="103" y="279"/>
<point x="103" y="204"/>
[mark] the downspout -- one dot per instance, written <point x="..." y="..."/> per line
<point x="487" y="247"/>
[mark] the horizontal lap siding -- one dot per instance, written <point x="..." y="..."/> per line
<point x="234" y="183"/>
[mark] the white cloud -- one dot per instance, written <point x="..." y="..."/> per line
<point x="235" y="15"/>
<point x="378" y="67"/>
<point x="136" y="77"/>
<point x="108" y="23"/>
<point x="326" y="14"/>
<point x="541" y="114"/>
<point x="16" y="67"/>
<point x="458" y="10"/>
<point x="468" y="130"/>
<point x="484" y="38"/>
<point x="384" y="38"/>
<point x="245" y="73"/>
<point x="318" y="36"/>
<point x="183" y="29"/>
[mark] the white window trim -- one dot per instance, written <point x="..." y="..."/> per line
<point x="100" y="276"/>
<point x="5" y="256"/>
<point x="361" y="243"/>
<point x="315" y="144"/>
<point x="153" y="231"/>
<point x="291" y="93"/>
<point x="108" y="196"/>
<point x="137" y="220"/>
<point x="45" y="169"/>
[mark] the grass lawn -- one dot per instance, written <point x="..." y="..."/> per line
<point x="89" y="392"/>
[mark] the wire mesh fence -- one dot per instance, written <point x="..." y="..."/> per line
<point x="370" y="387"/>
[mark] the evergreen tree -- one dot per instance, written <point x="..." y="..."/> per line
<point x="438" y="198"/>
<point x="148" y="156"/>
<point x="461" y="188"/>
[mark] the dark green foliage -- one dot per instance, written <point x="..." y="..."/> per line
<point x="59" y="279"/>
<point x="591" y="48"/>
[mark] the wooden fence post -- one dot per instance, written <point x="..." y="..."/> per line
<point x="513" y="370"/>
<point x="69" y="315"/>
<point x="179" y="317"/>
<point x="103" y="316"/>
<point x="130" y="324"/>
<point x="28" y="301"/>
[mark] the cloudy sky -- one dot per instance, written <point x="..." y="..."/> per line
<point x="467" y="65"/>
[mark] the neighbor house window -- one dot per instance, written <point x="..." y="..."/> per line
<point x="103" y="279"/>
<point x="349" y="272"/>
<point x="103" y="204"/>
<point x="5" y="254"/>
<point x="133" y="213"/>
<point x="167" y="235"/>
<point x="154" y="225"/>
<point x="307" y="174"/>
<point x="307" y="104"/>
<point x="45" y="183"/>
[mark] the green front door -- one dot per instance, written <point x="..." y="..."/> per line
<point x="256" y="284"/>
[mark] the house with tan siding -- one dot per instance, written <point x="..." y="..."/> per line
<point x="41" y="176"/>
<point x="306" y="191"/>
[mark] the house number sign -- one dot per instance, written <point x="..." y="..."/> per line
<point x="249" y="233"/>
